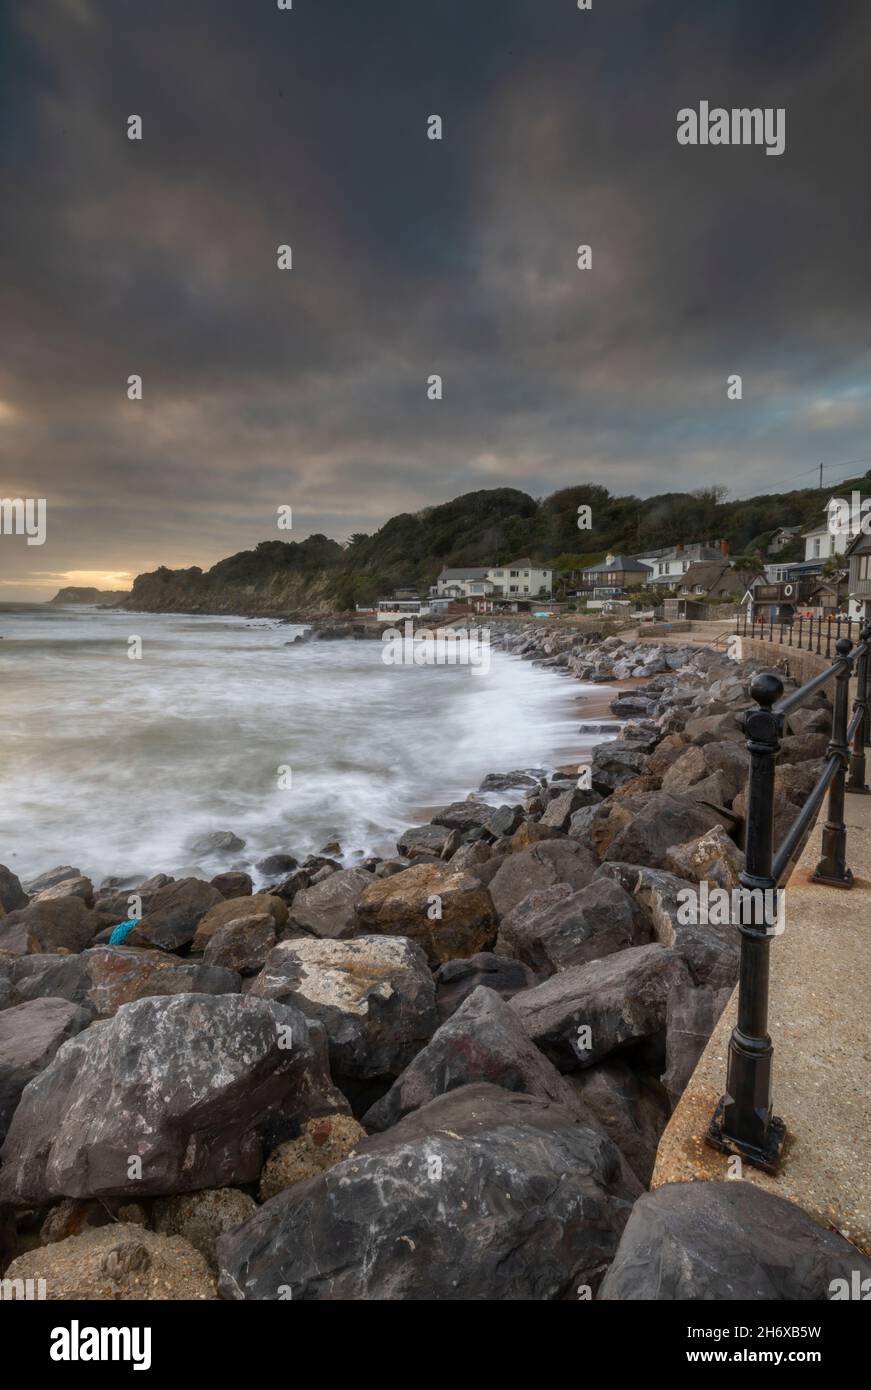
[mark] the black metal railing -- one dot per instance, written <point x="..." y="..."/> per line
<point x="744" y="1122"/>
<point x="817" y="634"/>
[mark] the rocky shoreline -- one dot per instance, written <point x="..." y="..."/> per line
<point x="437" y="1075"/>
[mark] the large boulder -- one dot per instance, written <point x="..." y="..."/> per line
<point x="732" y="760"/>
<point x="12" y="895"/>
<point x="215" y="842"/>
<point x="242" y="945"/>
<point x="329" y="909"/>
<point x="663" y="821"/>
<point x="482" y="1195"/>
<point x="802" y="748"/>
<point x="548" y="862"/>
<point x="30" y="1035"/>
<point x="374" y="995"/>
<point x="676" y="912"/>
<point x="174" y="915"/>
<point x="727" y="1242"/>
<point x="105" y="977"/>
<point x="713" y="857"/>
<point x="690" y="767"/>
<point x="560" y="809"/>
<point x="693" y="1013"/>
<point x="423" y="839"/>
<point x="64" y="924"/>
<point x="118" y="1262"/>
<point x="225" y="912"/>
<point x="51" y="877"/>
<point x="581" y="1015"/>
<point x="464" y="815"/>
<point x="80" y="887"/>
<point x="457" y="979"/>
<point x="448" y="913"/>
<point x="168" y="1096"/>
<point x="483" y="1041"/>
<point x="593" y="922"/>
<point x="234" y="884"/>
<point x="613" y="763"/>
<point x="714" y="728"/>
<point x="633" y="1110"/>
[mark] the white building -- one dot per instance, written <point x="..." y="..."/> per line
<point x="837" y="531"/>
<point x="516" y="580"/>
<point x="668" y="566"/>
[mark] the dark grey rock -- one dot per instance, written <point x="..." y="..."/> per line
<point x="633" y="1110"/>
<point x="30" y="1035"/>
<point x="329" y="908"/>
<point x="199" y="1088"/>
<point x="12" y="895"/>
<point x="215" y="842"/>
<point x="483" y="1194"/>
<point x="483" y="1041"/>
<point x="586" y="925"/>
<point x="727" y="1242"/>
<point x="622" y="1000"/>
<point x="547" y="862"/>
<point x="105" y="977"/>
<point x="693" y="1014"/>
<point x="457" y="979"/>
<point x="174" y="915"/>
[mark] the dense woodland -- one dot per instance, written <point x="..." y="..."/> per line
<point x="500" y="524"/>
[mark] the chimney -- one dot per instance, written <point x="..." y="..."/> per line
<point x="678" y="550"/>
<point x="724" y="547"/>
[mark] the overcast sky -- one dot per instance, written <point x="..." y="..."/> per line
<point x="307" y="387"/>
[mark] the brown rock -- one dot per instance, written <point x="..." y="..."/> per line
<point x="243" y="944"/>
<point x="712" y="856"/>
<point x="530" y="833"/>
<point x="222" y="913"/>
<point x="324" y="1142"/>
<point x="550" y="861"/>
<point x="446" y="912"/>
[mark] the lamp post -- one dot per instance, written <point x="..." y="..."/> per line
<point x="743" y="1122"/>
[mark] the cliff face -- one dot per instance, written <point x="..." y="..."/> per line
<point x="277" y="578"/>
<point x="192" y="591"/>
<point x="73" y="595"/>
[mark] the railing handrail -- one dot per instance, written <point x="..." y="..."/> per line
<point x="744" y="1122"/>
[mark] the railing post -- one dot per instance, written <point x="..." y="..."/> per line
<point x="743" y="1122"/>
<point x="832" y="868"/>
<point x="857" y="753"/>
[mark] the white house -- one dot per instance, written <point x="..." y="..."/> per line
<point x="668" y="566"/>
<point x="840" y="527"/>
<point x="517" y="579"/>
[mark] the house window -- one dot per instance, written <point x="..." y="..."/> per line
<point x="816" y="554"/>
<point x="700" y="588"/>
<point x="512" y="588"/>
<point x="526" y="574"/>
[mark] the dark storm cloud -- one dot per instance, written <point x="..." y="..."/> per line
<point x="412" y="257"/>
